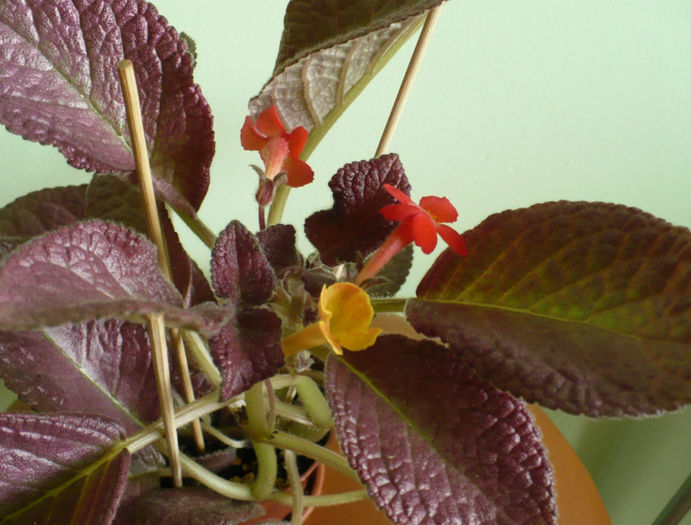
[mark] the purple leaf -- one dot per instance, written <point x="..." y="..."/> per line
<point x="100" y="367"/>
<point x="90" y="270"/>
<point x="192" y="505"/>
<point x="312" y="25"/>
<point x="60" y="86"/>
<point x="585" y="307"/>
<point x="392" y="276"/>
<point x="278" y="244"/>
<point x="240" y="271"/>
<point x="41" y="211"/>
<point x="354" y="227"/>
<point x="434" y="443"/>
<point x="112" y="199"/>
<point x="46" y="467"/>
<point x="247" y="350"/>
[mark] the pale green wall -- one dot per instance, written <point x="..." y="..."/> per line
<point x="517" y="102"/>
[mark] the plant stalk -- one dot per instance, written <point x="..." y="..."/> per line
<point x="305" y="447"/>
<point x="291" y="464"/>
<point x="678" y="507"/>
<point x="408" y="79"/>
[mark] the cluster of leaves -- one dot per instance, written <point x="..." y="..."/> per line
<point x="584" y="307"/>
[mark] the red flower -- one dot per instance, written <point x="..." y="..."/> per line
<point x="279" y="150"/>
<point x="419" y="223"/>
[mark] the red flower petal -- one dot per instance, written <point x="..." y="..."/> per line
<point x="298" y="171"/>
<point x="452" y="238"/>
<point x="296" y="141"/>
<point x="250" y="138"/>
<point x="399" y="212"/>
<point x="269" y="123"/>
<point x="424" y="232"/>
<point x="439" y="208"/>
<point x="398" y="195"/>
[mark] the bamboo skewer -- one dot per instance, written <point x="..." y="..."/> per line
<point x="408" y="79"/>
<point x="155" y="323"/>
<point x="164" y="264"/>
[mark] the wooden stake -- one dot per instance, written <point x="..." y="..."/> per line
<point x="408" y="78"/>
<point x="155" y="232"/>
<point x="155" y="323"/>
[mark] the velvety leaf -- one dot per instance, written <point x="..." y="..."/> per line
<point x="219" y="460"/>
<point x="314" y="91"/>
<point x="60" y="469"/>
<point x="90" y="270"/>
<point x="278" y="244"/>
<point x="239" y="269"/>
<point x="354" y="227"/>
<point x="584" y="307"/>
<point x="112" y="199"/>
<point x="100" y="367"/>
<point x="39" y="212"/>
<point x="137" y="487"/>
<point x="393" y="275"/>
<point x="311" y="25"/>
<point x="433" y="442"/>
<point x="59" y="85"/>
<point x="192" y="506"/>
<point x="247" y="350"/>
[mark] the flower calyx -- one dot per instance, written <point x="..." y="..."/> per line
<point x="279" y="149"/>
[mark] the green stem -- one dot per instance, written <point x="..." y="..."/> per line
<point x="322" y="501"/>
<point x="267" y="467"/>
<point x="216" y="483"/>
<point x="188" y="413"/>
<point x="678" y="506"/>
<point x="312" y="450"/>
<point x="314" y="402"/>
<point x="257" y="426"/>
<point x="296" y="491"/>
<point x="393" y="304"/>
<point x="201" y="356"/>
<point x="201" y="230"/>
<point x="279" y="203"/>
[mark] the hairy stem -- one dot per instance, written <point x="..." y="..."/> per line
<point x="305" y="447"/>
<point x="291" y="464"/>
<point x="267" y="468"/>
<point x="322" y="501"/>
<point x="201" y="230"/>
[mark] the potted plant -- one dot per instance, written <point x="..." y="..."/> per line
<point x="147" y="376"/>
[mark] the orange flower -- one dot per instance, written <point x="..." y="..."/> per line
<point x="279" y="149"/>
<point x="419" y="223"/>
<point x="345" y="316"/>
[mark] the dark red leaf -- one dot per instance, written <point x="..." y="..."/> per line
<point x="100" y="367"/>
<point x="278" y="244"/>
<point x="354" y="227"/>
<point x="240" y="271"/>
<point x="60" y="86"/>
<point x="434" y="443"/>
<point x="585" y="307"/>
<point x="247" y="350"/>
<point x="43" y="467"/>
<point x="192" y="505"/>
<point x="90" y="270"/>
